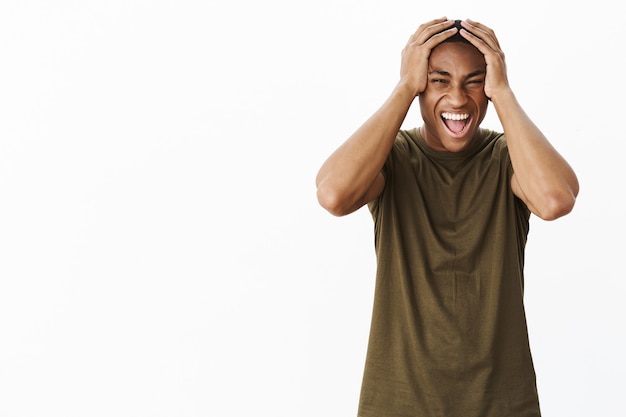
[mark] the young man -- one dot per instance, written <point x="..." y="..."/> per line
<point x="451" y="203"/>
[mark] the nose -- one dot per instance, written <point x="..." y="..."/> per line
<point x="457" y="96"/>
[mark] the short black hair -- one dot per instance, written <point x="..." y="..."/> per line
<point x="457" y="36"/>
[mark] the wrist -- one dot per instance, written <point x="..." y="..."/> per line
<point x="406" y="89"/>
<point x="502" y="95"/>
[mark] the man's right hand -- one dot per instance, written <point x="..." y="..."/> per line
<point x="414" y="66"/>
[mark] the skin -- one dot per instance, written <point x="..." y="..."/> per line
<point x="455" y="78"/>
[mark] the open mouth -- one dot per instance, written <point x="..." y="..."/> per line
<point x="456" y="123"/>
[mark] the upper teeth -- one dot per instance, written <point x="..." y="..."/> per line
<point x="454" y="116"/>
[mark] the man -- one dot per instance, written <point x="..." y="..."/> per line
<point x="451" y="203"/>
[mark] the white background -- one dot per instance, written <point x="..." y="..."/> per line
<point x="162" y="252"/>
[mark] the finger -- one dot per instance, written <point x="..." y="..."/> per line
<point x="482" y="32"/>
<point x="480" y="44"/>
<point x="421" y="27"/>
<point x="428" y="29"/>
<point x="438" y="38"/>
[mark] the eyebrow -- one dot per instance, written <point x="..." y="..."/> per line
<point x="447" y="74"/>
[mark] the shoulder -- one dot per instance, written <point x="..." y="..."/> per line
<point x="493" y="138"/>
<point x="406" y="149"/>
<point x="406" y="139"/>
<point x="494" y="144"/>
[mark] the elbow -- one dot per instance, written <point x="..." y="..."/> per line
<point x="331" y="200"/>
<point x="557" y="206"/>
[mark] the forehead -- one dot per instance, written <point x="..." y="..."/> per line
<point x="454" y="57"/>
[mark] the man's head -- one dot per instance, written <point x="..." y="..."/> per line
<point x="454" y="102"/>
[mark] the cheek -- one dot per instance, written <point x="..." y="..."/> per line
<point x="428" y="101"/>
<point x="478" y="95"/>
<point x="480" y="100"/>
<point x="483" y="104"/>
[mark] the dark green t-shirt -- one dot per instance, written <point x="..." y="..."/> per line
<point x="448" y="334"/>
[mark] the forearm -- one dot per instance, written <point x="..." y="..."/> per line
<point x="351" y="171"/>
<point x="542" y="176"/>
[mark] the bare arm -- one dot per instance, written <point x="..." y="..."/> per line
<point x="351" y="176"/>
<point x="542" y="177"/>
